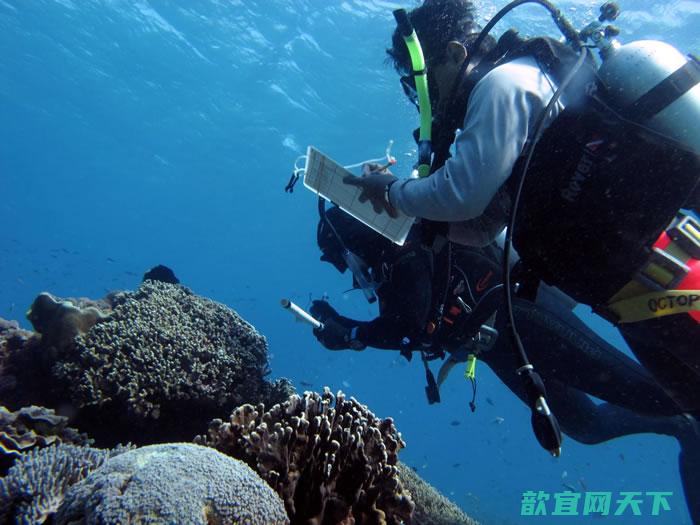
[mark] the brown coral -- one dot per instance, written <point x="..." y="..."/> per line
<point x="32" y="427"/>
<point x="59" y="321"/>
<point x="330" y="459"/>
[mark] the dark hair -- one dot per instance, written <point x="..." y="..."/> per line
<point x="437" y="23"/>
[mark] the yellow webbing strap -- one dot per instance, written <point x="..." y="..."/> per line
<point x="656" y="304"/>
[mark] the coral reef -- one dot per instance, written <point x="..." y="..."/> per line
<point x="35" y="486"/>
<point x="172" y="483"/>
<point x="330" y="459"/>
<point x="147" y="366"/>
<point x="32" y="427"/>
<point x="432" y="508"/>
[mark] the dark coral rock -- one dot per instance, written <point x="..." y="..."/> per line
<point x="172" y="483"/>
<point x="22" y="376"/>
<point x="432" y="508"/>
<point x="163" y="363"/>
<point x="161" y="273"/>
<point x="32" y="427"/>
<point x="330" y="459"/>
<point x="35" y="486"/>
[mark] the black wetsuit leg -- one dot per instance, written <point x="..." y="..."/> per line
<point x="669" y="347"/>
<point x="573" y="361"/>
<point x="562" y="347"/>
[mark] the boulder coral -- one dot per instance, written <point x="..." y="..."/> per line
<point x="330" y="459"/>
<point x="172" y="483"/>
<point x="151" y="365"/>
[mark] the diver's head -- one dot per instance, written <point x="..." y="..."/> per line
<point x="445" y="28"/>
<point x="340" y="235"/>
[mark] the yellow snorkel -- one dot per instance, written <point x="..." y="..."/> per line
<point x="420" y="76"/>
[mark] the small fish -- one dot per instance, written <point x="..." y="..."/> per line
<point x="490" y="401"/>
<point x="345" y="383"/>
<point x="570" y="487"/>
<point x="455" y="465"/>
<point x="622" y="456"/>
<point x="306" y="384"/>
<point x="564" y="475"/>
<point x="110" y="260"/>
<point x="497" y="420"/>
<point x="455" y="423"/>
<point x="583" y="485"/>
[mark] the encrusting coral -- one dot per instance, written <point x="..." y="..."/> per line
<point x="172" y="483"/>
<point x="32" y="427"/>
<point x="35" y="486"/>
<point x="330" y="459"/>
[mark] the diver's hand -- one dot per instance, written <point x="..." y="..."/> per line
<point x="338" y="336"/>
<point x="334" y="335"/>
<point x="322" y="310"/>
<point x="337" y="331"/>
<point x="374" y="183"/>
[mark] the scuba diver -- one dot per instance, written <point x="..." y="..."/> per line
<point x="447" y="305"/>
<point x="593" y="170"/>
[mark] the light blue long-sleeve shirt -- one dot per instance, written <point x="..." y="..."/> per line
<point x="502" y="111"/>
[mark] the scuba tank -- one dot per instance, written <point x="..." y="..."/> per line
<point x="632" y="70"/>
<point x="607" y="177"/>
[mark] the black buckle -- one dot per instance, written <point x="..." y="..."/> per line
<point x="485" y="339"/>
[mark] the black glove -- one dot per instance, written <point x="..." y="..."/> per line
<point x="336" y="331"/>
<point x="333" y="335"/>
<point x="322" y="310"/>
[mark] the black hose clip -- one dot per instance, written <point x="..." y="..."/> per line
<point x="544" y="423"/>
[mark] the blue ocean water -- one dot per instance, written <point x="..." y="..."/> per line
<point x="140" y="132"/>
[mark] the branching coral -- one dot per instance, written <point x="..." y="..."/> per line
<point x="331" y="460"/>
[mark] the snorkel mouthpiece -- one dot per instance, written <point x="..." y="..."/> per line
<point x="421" y="80"/>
